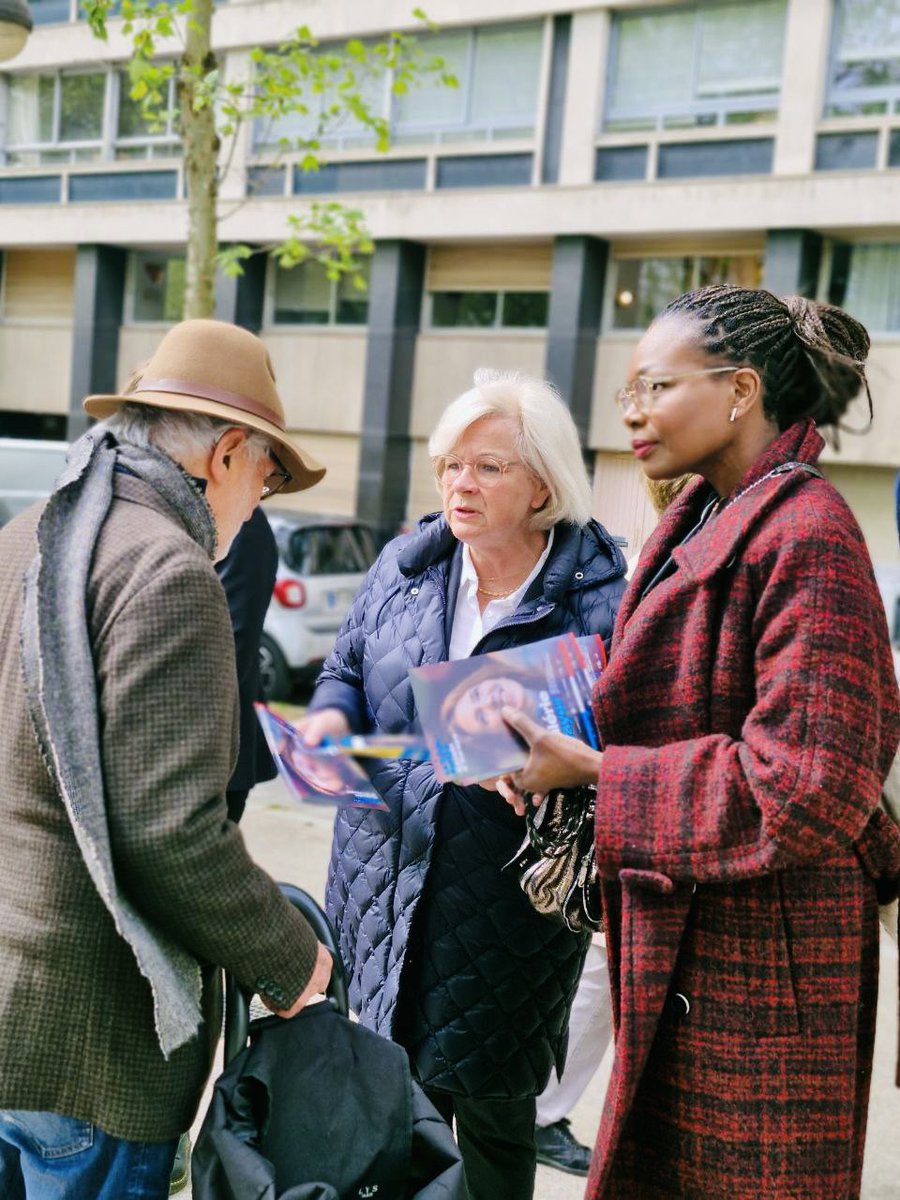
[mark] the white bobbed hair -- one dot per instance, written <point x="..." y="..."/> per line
<point x="547" y="440"/>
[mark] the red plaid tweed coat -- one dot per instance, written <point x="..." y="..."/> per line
<point x="750" y="714"/>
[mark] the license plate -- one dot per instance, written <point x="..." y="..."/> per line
<point x="338" y="599"/>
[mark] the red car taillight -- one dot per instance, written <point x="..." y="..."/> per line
<point x="290" y="593"/>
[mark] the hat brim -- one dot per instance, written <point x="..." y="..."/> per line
<point x="303" y="468"/>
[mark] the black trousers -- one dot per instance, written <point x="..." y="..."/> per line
<point x="496" y="1140"/>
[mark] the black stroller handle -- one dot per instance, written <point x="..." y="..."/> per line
<point x="237" y="999"/>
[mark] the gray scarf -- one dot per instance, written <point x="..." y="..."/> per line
<point x="58" y="665"/>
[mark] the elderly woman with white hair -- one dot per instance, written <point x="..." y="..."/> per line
<point x="444" y="952"/>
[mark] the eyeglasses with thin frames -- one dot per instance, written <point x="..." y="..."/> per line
<point x="486" y="470"/>
<point x="276" y="480"/>
<point x="646" y="389"/>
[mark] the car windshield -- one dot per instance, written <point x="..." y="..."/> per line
<point x="330" y="550"/>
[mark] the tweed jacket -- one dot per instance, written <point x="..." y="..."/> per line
<point x="749" y="714"/>
<point x="76" y="1019"/>
<point x="444" y="952"/>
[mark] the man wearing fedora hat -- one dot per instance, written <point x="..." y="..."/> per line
<point x="124" y="887"/>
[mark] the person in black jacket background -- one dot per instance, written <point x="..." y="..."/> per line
<point x="248" y="576"/>
<point x="444" y="952"/>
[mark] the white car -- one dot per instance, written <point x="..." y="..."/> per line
<point x="28" y="471"/>
<point x="321" y="563"/>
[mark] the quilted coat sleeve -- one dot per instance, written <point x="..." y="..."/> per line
<point x="803" y="778"/>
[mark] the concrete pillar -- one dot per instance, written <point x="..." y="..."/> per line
<point x="793" y="259"/>
<point x="586" y="78"/>
<point x="395" y="302"/>
<point x="98" y="304"/>
<point x="804" y="66"/>
<point x="573" y="326"/>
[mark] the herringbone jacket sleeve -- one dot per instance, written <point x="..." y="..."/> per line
<point x="165" y="664"/>
<point x="775" y="746"/>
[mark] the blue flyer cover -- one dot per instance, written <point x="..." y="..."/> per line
<point x="459" y="703"/>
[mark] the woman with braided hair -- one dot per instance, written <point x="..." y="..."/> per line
<point x="749" y="715"/>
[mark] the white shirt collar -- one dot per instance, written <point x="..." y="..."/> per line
<point x="470" y="624"/>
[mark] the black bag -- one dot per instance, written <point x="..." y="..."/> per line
<point x="319" y="1108"/>
<point x="556" y="861"/>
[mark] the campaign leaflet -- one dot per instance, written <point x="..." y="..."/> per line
<point x="459" y="703"/>
<point x="381" y="745"/>
<point x="313" y="773"/>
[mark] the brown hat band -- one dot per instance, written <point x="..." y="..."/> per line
<point x="205" y="391"/>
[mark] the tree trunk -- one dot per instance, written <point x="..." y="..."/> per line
<point x="201" y="152"/>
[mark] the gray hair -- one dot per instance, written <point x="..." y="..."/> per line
<point x="176" y="432"/>
<point x="547" y="440"/>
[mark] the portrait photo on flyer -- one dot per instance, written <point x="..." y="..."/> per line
<point x="314" y="774"/>
<point x="460" y="703"/>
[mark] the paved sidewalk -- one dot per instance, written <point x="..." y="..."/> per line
<point x="293" y="843"/>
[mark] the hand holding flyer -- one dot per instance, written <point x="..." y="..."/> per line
<point x="460" y="703"/>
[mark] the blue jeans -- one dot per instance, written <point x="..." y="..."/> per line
<point x="44" y="1156"/>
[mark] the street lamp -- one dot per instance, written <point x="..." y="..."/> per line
<point x="15" y="26"/>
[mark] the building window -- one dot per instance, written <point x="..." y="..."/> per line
<point x="55" y="117"/>
<point x="499" y="73"/>
<point x="157" y="286"/>
<point x="304" y="295"/>
<point x="140" y="136"/>
<point x="872" y="288"/>
<point x="644" y="286"/>
<point x="864" y="75"/>
<point x="489" y="310"/>
<point x="716" y="64"/>
<point x="279" y="133"/>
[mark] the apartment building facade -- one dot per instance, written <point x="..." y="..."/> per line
<point x="595" y="161"/>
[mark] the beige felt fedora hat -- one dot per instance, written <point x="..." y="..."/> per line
<point x="220" y="370"/>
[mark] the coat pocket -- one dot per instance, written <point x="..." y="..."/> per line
<point x="766" y="957"/>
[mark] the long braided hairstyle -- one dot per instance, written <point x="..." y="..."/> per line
<point x="809" y="356"/>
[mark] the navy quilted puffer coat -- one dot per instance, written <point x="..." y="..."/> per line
<point x="444" y="952"/>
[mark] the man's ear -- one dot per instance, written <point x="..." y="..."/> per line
<point x="220" y="455"/>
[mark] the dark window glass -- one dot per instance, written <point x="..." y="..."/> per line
<point x="304" y="296"/>
<point x="133" y="121"/>
<point x="124" y="185"/>
<point x="158" y="286"/>
<point x="49" y="12"/>
<point x="644" y="286"/>
<point x="49" y="427"/>
<point x="330" y="550"/>
<point x="391" y="175"/>
<point x="352" y="302"/>
<point x="463" y="309"/>
<point x="621" y="162"/>
<point x="81" y="107"/>
<point x="265" y="181"/>
<point x="894" y="149"/>
<point x="846" y="151"/>
<point x="38" y="189"/>
<point x="524" y="310"/>
<point x="684" y="160"/>
<point x="484" y="170"/>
